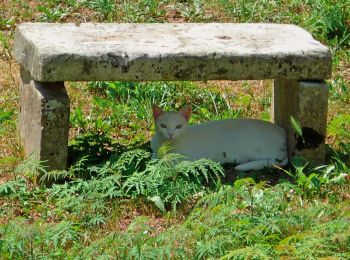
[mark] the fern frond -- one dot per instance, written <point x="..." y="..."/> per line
<point x="210" y="170"/>
<point x="13" y="187"/>
<point x="131" y="161"/>
<point x="31" y="166"/>
<point x="54" y="176"/>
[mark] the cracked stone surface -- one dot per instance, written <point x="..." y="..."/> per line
<point x="70" y="52"/>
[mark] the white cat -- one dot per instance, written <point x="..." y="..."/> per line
<point x="250" y="143"/>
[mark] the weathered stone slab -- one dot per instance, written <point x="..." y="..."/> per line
<point x="69" y="52"/>
<point x="44" y="120"/>
<point x="307" y="103"/>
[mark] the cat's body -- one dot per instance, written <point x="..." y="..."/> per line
<point x="251" y="144"/>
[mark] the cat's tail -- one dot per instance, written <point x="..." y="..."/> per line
<point x="260" y="164"/>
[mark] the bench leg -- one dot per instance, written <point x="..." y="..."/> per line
<point x="307" y="103"/>
<point x="44" y="120"/>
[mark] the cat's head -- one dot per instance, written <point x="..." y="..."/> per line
<point x="171" y="124"/>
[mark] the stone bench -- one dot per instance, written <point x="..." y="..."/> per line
<point x="50" y="54"/>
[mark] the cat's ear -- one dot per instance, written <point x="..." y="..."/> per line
<point x="186" y="112"/>
<point x="157" y="111"/>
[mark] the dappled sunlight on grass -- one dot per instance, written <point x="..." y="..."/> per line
<point x="115" y="202"/>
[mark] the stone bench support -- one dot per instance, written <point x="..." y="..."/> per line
<point x="50" y="54"/>
<point x="44" y="120"/>
<point x="307" y="103"/>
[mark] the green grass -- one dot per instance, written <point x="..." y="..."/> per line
<point x="114" y="202"/>
<point x="308" y="218"/>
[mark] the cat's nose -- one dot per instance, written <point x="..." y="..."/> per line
<point x="171" y="136"/>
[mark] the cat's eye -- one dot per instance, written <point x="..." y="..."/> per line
<point x="178" y="126"/>
<point x="163" y="125"/>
